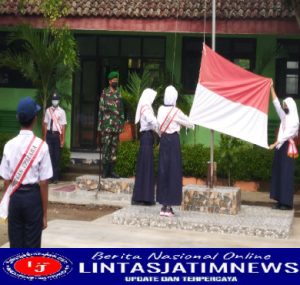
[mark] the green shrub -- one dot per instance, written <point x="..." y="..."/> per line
<point x="126" y="158"/>
<point x="194" y="160"/>
<point x="3" y="140"/>
<point x="253" y="163"/>
<point x="229" y="149"/>
<point x="65" y="157"/>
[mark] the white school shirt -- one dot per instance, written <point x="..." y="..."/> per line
<point x="148" y="121"/>
<point x="41" y="168"/>
<point x="286" y="131"/>
<point x="180" y="119"/>
<point x="60" y="115"/>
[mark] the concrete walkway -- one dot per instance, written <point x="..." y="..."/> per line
<point x="102" y="232"/>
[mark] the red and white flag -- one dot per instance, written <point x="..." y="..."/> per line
<point x="231" y="100"/>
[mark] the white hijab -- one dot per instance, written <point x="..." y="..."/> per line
<point x="292" y="118"/>
<point x="171" y="95"/>
<point x="146" y="99"/>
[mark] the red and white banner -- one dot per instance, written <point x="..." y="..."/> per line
<point x="231" y="100"/>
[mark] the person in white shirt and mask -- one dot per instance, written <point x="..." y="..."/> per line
<point x="26" y="168"/>
<point x="143" y="192"/>
<point x="282" y="182"/>
<point x="169" y="183"/>
<point x="54" y="128"/>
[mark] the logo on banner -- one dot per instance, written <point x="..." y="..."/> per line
<point x="37" y="266"/>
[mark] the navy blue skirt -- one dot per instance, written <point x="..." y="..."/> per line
<point x="144" y="180"/>
<point x="169" y="184"/>
<point x="282" y="183"/>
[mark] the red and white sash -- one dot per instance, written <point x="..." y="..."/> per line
<point x="143" y="109"/>
<point x="55" y="121"/>
<point x="20" y="172"/>
<point x="168" y="120"/>
<point x="292" y="149"/>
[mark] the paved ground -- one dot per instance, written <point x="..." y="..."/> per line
<point x="67" y="212"/>
<point x="250" y="221"/>
<point x="103" y="233"/>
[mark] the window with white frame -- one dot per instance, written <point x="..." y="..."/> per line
<point x="288" y="68"/>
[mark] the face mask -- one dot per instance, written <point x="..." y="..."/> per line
<point x="55" y="103"/>
<point x="286" y="110"/>
<point x="114" y="85"/>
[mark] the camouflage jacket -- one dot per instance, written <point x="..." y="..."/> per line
<point x="111" y="112"/>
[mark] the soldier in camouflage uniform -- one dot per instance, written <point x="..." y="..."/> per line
<point x="110" y="124"/>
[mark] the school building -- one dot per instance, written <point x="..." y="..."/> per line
<point x="132" y="35"/>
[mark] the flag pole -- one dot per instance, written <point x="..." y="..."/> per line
<point x="212" y="134"/>
<point x="213" y="32"/>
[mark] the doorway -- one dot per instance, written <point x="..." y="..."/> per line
<point x="84" y="108"/>
<point x="100" y="54"/>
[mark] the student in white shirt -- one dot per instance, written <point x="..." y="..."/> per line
<point x="143" y="192"/>
<point x="282" y="182"/>
<point x="27" y="205"/>
<point x="169" y="185"/>
<point x="54" y="128"/>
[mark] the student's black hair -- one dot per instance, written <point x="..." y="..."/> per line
<point x="25" y="123"/>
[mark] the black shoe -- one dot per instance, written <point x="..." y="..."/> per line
<point x="111" y="172"/>
<point x="104" y="175"/>
<point x="149" y="203"/>
<point x="114" y="175"/>
<point x="137" y="203"/>
<point x="105" y="171"/>
<point x="276" y="206"/>
<point x="163" y="211"/>
<point x="169" y="212"/>
<point x="284" y="207"/>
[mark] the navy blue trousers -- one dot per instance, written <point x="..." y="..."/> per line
<point x="144" y="180"/>
<point x="25" y="218"/>
<point x="53" y="142"/>
<point x="169" y="183"/>
<point x="282" y="183"/>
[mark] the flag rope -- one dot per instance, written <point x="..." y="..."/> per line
<point x="204" y="22"/>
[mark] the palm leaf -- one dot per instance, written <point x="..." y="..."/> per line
<point x="132" y="91"/>
<point x="19" y="63"/>
<point x="47" y="59"/>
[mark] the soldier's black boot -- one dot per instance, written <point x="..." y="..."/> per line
<point x="105" y="171"/>
<point x="112" y="174"/>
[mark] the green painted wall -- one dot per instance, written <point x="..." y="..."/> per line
<point x="265" y="65"/>
<point x="200" y="135"/>
<point x="9" y="98"/>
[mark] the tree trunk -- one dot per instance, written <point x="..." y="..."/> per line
<point x="44" y="104"/>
